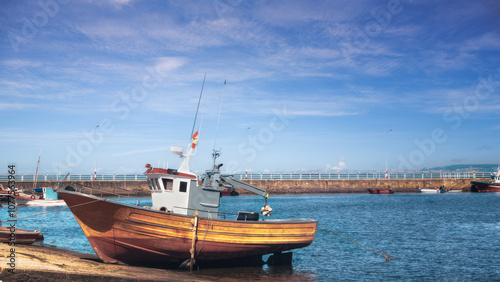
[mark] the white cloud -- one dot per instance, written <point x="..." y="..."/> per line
<point x="340" y="166"/>
<point x="168" y="64"/>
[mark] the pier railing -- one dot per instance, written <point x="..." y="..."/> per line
<point x="261" y="176"/>
<point x="339" y="176"/>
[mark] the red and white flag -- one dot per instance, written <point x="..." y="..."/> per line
<point x="195" y="140"/>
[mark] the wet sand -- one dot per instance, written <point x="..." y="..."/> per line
<point x="43" y="263"/>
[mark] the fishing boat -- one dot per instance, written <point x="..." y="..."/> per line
<point x="183" y="225"/>
<point x="49" y="196"/>
<point x="493" y="186"/>
<point x="183" y="222"/>
<point x="380" y="191"/>
<point x="19" y="236"/>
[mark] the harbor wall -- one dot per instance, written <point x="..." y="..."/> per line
<point x="357" y="185"/>
<point x="140" y="188"/>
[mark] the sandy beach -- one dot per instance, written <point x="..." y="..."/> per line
<point x="43" y="263"/>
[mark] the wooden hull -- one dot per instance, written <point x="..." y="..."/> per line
<point x="122" y="233"/>
<point x="478" y="186"/>
<point x="22" y="236"/>
<point x="380" y="191"/>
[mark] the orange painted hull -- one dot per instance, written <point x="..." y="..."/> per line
<point x="122" y="233"/>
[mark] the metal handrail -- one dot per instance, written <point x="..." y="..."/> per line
<point x="262" y="176"/>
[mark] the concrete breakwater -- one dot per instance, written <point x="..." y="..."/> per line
<point x="140" y="187"/>
<point x="358" y="186"/>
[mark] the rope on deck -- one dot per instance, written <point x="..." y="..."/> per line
<point x="387" y="257"/>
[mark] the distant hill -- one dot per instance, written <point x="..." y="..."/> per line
<point x="465" y="168"/>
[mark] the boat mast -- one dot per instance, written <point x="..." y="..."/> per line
<point x="36" y="173"/>
<point x="185" y="163"/>
<point x="216" y="153"/>
<point x="197" y="108"/>
<point x="220" y="110"/>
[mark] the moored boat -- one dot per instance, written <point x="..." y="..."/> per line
<point x="494" y="186"/>
<point x="49" y="198"/>
<point x="19" y="236"/>
<point x="18" y="198"/>
<point x="428" y="191"/>
<point x="184" y="223"/>
<point x="434" y="190"/>
<point x="380" y="191"/>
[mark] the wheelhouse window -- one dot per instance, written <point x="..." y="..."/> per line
<point x="156" y="185"/>
<point x="183" y="187"/>
<point x="168" y="184"/>
<point x="153" y="184"/>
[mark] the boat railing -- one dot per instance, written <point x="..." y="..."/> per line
<point x="97" y="192"/>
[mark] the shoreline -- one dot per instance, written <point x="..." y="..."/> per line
<point x="47" y="263"/>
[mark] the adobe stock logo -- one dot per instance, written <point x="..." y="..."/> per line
<point x="455" y="115"/>
<point x="31" y="26"/>
<point x="361" y="37"/>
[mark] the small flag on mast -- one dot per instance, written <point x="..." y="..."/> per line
<point x="195" y="140"/>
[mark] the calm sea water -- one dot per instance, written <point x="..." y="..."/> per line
<point x="448" y="237"/>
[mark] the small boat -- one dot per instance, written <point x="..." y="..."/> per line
<point x="49" y="198"/>
<point x="494" y="186"/>
<point x="19" y="236"/>
<point x="434" y="190"/>
<point x="17" y="198"/>
<point x="380" y="191"/>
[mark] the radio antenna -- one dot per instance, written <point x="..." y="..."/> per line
<point x="220" y="110"/>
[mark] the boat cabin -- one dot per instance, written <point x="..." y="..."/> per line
<point x="496" y="178"/>
<point x="50" y="194"/>
<point x="179" y="193"/>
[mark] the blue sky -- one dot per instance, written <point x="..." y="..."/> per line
<point x="311" y="85"/>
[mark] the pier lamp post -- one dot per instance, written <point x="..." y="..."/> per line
<point x="386" y="167"/>
<point x="95" y="153"/>
<point x="246" y="146"/>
